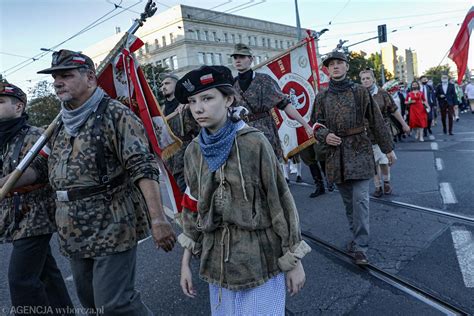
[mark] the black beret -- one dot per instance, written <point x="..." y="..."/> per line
<point x="202" y="79"/>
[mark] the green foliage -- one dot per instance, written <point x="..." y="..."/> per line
<point x="358" y="63"/>
<point x="43" y="105"/>
<point x="435" y="73"/>
<point x="152" y="75"/>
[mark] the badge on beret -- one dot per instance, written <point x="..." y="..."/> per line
<point x="206" y="79"/>
<point x="188" y="86"/>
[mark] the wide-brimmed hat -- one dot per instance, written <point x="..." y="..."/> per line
<point x="242" y="49"/>
<point x="202" y="79"/>
<point x="11" y="90"/>
<point x="67" y="59"/>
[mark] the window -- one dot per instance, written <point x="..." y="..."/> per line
<point x="214" y="37"/>
<point x="240" y="38"/>
<point x="217" y="59"/>
<point x="233" y="38"/>
<point x="201" y="59"/>
<point x="255" y="41"/>
<point x="259" y="59"/>
<point x="171" y="38"/>
<point x="263" y="42"/>
<point x="269" y="42"/>
<point x="229" y="59"/>
<point x="287" y="44"/>
<point x="226" y="38"/>
<point x="250" y="39"/>
<point x="198" y="34"/>
<point x="276" y="43"/>
<point x="206" y="35"/>
<point x="209" y="58"/>
<point x="281" y="44"/>
<point x="163" y="40"/>
<point x="157" y="44"/>
<point x="167" y="63"/>
<point x="174" y="62"/>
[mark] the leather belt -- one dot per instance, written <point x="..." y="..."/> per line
<point x="77" y="194"/>
<point x="351" y="131"/>
<point x="257" y="116"/>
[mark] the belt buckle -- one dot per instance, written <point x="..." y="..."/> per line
<point x="62" y="196"/>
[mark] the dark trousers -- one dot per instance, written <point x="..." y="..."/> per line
<point x="107" y="284"/>
<point x="447" y="110"/>
<point x="34" y="277"/>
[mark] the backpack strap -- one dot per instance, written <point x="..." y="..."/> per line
<point x="98" y="141"/>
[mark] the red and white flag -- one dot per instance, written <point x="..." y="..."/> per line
<point x="297" y="73"/>
<point x="123" y="79"/>
<point x="460" y="50"/>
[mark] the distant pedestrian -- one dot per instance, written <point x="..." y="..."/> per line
<point x="430" y="97"/>
<point x="447" y="99"/>
<point x="344" y="112"/>
<point x="418" y="110"/>
<point x="239" y="216"/>
<point x="470" y="94"/>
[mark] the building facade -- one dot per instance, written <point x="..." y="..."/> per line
<point x="183" y="38"/>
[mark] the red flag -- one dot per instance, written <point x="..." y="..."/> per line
<point x="123" y="79"/>
<point x="297" y="73"/>
<point x="460" y="50"/>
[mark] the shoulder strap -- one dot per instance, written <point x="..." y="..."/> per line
<point x="19" y="144"/>
<point x="97" y="140"/>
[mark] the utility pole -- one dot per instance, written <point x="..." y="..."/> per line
<point x="298" y="25"/>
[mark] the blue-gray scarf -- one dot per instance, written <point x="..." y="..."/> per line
<point x="216" y="147"/>
<point x="74" y="119"/>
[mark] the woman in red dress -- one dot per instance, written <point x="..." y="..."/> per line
<point x="418" y="116"/>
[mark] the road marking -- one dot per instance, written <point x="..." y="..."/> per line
<point x="464" y="244"/>
<point x="439" y="164"/>
<point x="447" y="193"/>
<point x="431" y="137"/>
<point x="70" y="278"/>
<point x="434" y="146"/>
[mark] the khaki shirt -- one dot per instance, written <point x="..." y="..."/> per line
<point x="33" y="214"/>
<point x="246" y="229"/>
<point x="93" y="226"/>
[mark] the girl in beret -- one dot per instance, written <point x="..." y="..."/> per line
<point x="239" y="216"/>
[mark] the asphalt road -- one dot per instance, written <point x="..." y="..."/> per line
<point x="433" y="252"/>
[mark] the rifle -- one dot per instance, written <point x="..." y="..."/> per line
<point x="149" y="11"/>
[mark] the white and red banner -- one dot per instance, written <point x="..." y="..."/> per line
<point x="123" y="79"/>
<point x="297" y="73"/>
<point x="459" y="52"/>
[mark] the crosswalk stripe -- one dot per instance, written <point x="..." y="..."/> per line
<point x="464" y="244"/>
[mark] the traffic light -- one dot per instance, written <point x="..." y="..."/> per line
<point x="382" y="32"/>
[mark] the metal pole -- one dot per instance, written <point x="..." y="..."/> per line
<point x="298" y="25"/>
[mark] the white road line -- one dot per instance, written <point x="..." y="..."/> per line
<point x="464" y="244"/>
<point x="434" y="146"/>
<point x="439" y="164"/>
<point x="69" y="278"/>
<point x="431" y="137"/>
<point x="447" y="193"/>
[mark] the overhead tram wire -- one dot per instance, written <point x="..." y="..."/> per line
<point x="340" y="11"/>
<point x="87" y="28"/>
<point x="388" y="18"/>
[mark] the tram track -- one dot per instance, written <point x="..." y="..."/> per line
<point x="389" y="278"/>
<point x="458" y="217"/>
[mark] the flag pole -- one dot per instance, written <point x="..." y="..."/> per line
<point x="149" y="11"/>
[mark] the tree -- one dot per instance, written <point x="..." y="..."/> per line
<point x="435" y="73"/>
<point x="44" y="106"/>
<point x="152" y="75"/>
<point x="376" y="61"/>
<point x="357" y="63"/>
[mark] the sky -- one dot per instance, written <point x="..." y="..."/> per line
<point x="26" y="26"/>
